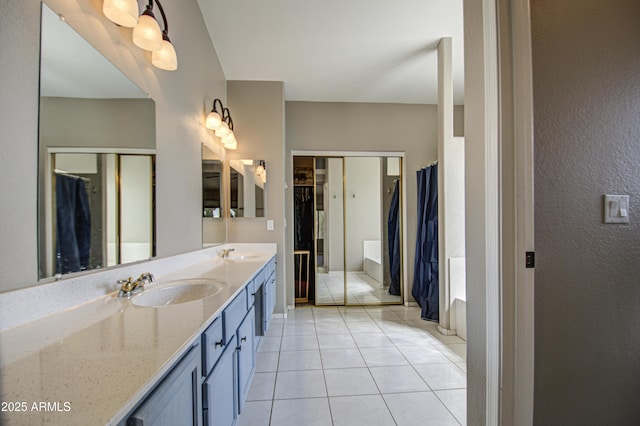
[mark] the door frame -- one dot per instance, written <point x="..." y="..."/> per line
<point x="499" y="138"/>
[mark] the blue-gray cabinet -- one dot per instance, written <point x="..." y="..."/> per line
<point x="176" y="400"/>
<point x="246" y="356"/>
<point x="219" y="391"/>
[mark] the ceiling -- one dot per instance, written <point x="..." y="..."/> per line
<point x="339" y="50"/>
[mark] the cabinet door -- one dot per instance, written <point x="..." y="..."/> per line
<point x="176" y="400"/>
<point x="220" y="390"/>
<point x="246" y="356"/>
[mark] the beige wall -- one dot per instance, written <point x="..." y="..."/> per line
<point x="180" y="111"/>
<point x="586" y="75"/>
<point x="103" y="123"/>
<point x="257" y="109"/>
<point x="329" y="126"/>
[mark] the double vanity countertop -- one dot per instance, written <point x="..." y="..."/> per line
<point x="91" y="364"/>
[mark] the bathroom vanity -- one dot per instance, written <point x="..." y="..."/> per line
<point x="167" y="358"/>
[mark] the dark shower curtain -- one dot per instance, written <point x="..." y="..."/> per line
<point x="425" y="279"/>
<point x="393" y="233"/>
<point x="73" y="225"/>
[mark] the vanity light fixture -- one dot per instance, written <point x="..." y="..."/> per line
<point x="147" y="34"/>
<point x="122" y="12"/>
<point x="220" y="121"/>
<point x="146" y="30"/>
<point x="214" y="120"/>
<point x="165" y="58"/>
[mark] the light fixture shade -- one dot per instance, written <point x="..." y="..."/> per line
<point x="165" y="58"/>
<point x="147" y="34"/>
<point x="213" y="121"/>
<point x="223" y="130"/>
<point x="230" y="142"/>
<point x="122" y="12"/>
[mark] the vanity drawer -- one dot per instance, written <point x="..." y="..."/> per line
<point x="213" y="344"/>
<point x="234" y="314"/>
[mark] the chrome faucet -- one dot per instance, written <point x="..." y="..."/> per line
<point x="129" y="287"/>
<point x="224" y="253"/>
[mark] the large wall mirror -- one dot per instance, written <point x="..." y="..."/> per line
<point x="247" y="188"/>
<point x="96" y="183"/>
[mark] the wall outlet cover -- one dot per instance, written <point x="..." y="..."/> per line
<point x="616" y="208"/>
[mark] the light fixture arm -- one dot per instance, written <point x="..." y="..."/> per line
<point x="226" y="117"/>
<point x="165" y="30"/>
<point x="214" y="109"/>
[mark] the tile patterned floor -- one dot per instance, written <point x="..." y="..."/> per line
<point x="355" y="366"/>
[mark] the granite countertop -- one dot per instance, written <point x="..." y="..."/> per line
<point x="93" y="363"/>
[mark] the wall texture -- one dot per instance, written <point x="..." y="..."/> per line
<point x="586" y="68"/>
<point x="181" y="98"/>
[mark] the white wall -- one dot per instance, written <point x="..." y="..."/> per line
<point x="181" y="98"/>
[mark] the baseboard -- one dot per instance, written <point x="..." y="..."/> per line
<point x="446" y="331"/>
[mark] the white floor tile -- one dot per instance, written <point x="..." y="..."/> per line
<point x="341" y="358"/>
<point x="267" y="362"/>
<point x="255" y="413"/>
<point x="381" y="357"/>
<point x="300" y="384"/>
<point x="363" y="327"/>
<point x="367" y="410"/>
<point x="456" y="352"/>
<point x="336" y="341"/>
<point x="296" y="412"/>
<point x="442" y="376"/>
<point x="331" y="328"/>
<point x="425" y="354"/>
<point x="371" y="340"/>
<point x="456" y="401"/>
<point x="299" y="360"/>
<point x="398" y="379"/>
<point x="299" y="343"/>
<point x="296" y="329"/>
<point x="262" y="387"/>
<point x="350" y="381"/>
<point x="419" y="409"/>
<point x="269" y="344"/>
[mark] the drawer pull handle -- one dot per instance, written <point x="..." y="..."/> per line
<point x="244" y="339"/>
<point x="219" y="343"/>
<point x="239" y="348"/>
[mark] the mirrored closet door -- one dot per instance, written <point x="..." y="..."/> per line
<point x="347" y="214"/>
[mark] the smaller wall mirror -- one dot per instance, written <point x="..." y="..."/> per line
<point x="247" y="188"/>
<point x="214" y="230"/>
<point x="211" y="184"/>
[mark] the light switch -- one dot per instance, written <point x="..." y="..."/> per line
<point x="269" y="225"/>
<point x="616" y="208"/>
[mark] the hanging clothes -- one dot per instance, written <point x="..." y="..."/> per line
<point x="393" y="233"/>
<point x="73" y="225"/>
<point x="425" y="288"/>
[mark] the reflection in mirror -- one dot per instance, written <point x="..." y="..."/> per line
<point x="211" y="184"/>
<point x="96" y="158"/>
<point x="214" y="230"/>
<point x="247" y="188"/>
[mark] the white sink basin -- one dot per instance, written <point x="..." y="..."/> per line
<point x="179" y="291"/>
